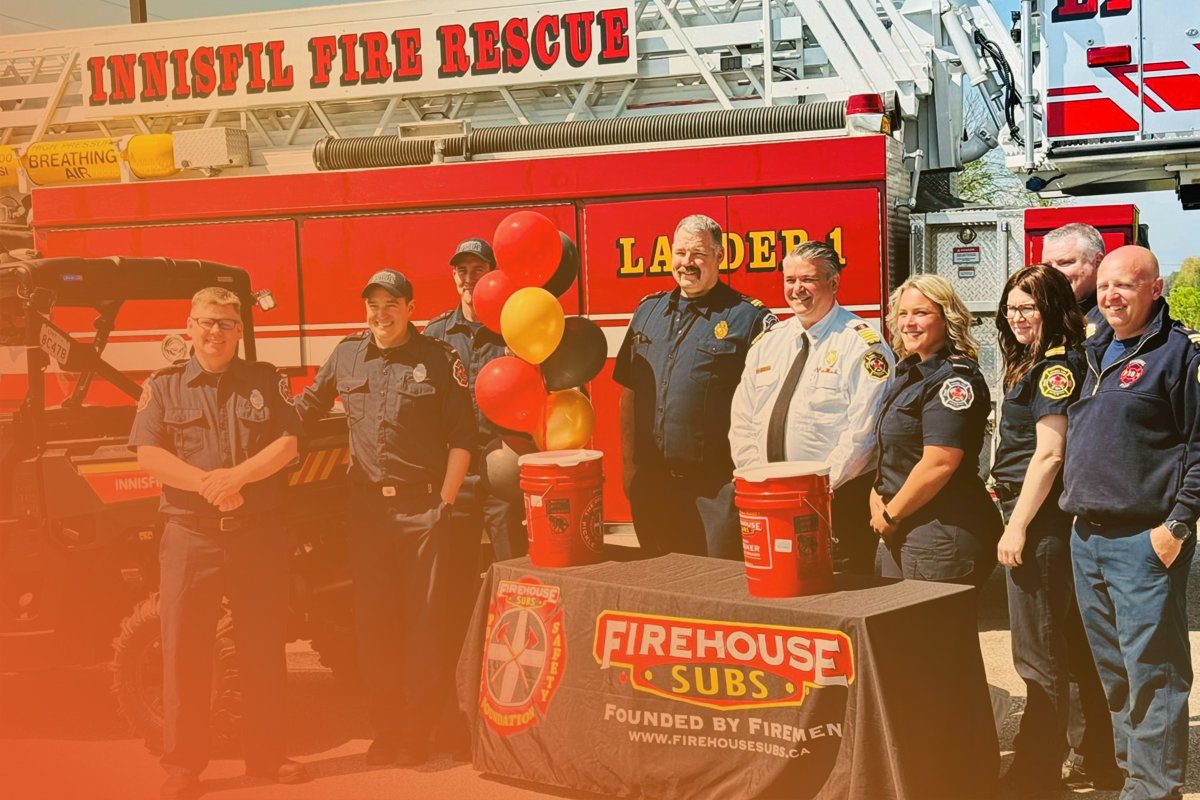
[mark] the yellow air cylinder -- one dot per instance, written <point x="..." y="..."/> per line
<point x="73" y="161"/>
<point x="151" y="155"/>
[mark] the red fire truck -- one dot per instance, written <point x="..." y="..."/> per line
<point x="313" y="147"/>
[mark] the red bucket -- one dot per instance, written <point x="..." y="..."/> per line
<point x="786" y="540"/>
<point x="563" y="511"/>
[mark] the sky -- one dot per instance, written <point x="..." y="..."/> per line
<point x="1169" y="234"/>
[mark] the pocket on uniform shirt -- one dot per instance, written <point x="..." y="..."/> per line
<point x="254" y="426"/>
<point x="187" y="430"/>
<point x="354" y="396"/>
<point x="717" y="363"/>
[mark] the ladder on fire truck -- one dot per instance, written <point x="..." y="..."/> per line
<point x="692" y="55"/>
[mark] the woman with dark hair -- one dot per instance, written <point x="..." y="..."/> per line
<point x="1040" y="332"/>
<point x="929" y="505"/>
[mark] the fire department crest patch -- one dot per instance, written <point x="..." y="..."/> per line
<point x="525" y="655"/>
<point x="1056" y="382"/>
<point x="1132" y="373"/>
<point x="285" y="391"/>
<point x="460" y="373"/>
<point x="144" y="398"/>
<point x="876" y="366"/>
<point x="956" y="394"/>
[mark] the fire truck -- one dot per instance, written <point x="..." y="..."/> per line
<point x="312" y="147"/>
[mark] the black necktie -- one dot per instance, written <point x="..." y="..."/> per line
<point x="777" y="427"/>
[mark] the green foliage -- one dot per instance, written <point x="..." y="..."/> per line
<point x="1189" y="273"/>
<point x="1184" y="302"/>
<point x="989" y="182"/>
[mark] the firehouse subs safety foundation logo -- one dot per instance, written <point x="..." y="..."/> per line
<point x="524" y="656"/>
<point x="722" y="665"/>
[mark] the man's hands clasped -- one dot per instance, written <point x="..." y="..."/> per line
<point x="223" y="488"/>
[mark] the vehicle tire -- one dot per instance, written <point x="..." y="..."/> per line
<point x="137" y="678"/>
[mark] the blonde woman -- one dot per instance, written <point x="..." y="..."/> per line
<point x="929" y="505"/>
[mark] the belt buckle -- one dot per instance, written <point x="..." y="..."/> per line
<point x="388" y="491"/>
<point x="227" y="524"/>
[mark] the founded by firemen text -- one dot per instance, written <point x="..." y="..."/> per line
<point x="721" y="665"/>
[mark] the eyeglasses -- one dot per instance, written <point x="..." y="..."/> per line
<point x="1024" y="312"/>
<point x="208" y="323"/>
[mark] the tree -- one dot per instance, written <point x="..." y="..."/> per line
<point x="1189" y="273"/>
<point x="1184" y="302"/>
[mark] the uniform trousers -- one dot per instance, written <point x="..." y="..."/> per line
<point x="676" y="513"/>
<point x="1050" y="651"/>
<point x="250" y="567"/>
<point x="397" y="561"/>
<point x="951" y="539"/>
<point x="1135" y="614"/>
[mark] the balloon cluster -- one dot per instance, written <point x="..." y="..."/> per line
<point x="534" y="390"/>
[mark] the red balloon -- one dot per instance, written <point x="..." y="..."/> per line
<point x="510" y="393"/>
<point x="491" y="293"/>
<point x="527" y="247"/>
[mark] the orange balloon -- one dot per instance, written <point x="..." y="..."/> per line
<point x="532" y="324"/>
<point x="567" y="422"/>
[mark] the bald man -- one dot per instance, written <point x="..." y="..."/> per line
<point x="1132" y="477"/>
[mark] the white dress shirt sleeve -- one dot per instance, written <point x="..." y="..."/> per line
<point x="855" y="448"/>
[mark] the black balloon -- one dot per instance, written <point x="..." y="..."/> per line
<point x="578" y="358"/>
<point x="568" y="268"/>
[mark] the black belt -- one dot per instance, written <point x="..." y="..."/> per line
<point x="400" y="491"/>
<point x="225" y="524"/>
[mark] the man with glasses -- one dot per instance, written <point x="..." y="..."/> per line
<point x="678" y="366"/>
<point x="811" y="391"/>
<point x="1132" y="478"/>
<point x="217" y="432"/>
<point x="1076" y="250"/>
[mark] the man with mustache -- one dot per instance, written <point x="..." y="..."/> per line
<point x="679" y="365"/>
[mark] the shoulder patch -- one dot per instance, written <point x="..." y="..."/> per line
<point x="956" y="394"/>
<point x="1056" y="382"/>
<point x="769" y="321"/>
<point x="1056" y="351"/>
<point x="147" y="393"/>
<point x="876" y="365"/>
<point x="285" y="390"/>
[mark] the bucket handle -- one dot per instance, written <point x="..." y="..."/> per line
<point x="821" y="516"/>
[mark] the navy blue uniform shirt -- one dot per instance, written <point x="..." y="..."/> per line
<point x="683" y="358"/>
<point x="1133" y="448"/>
<point x="942" y="401"/>
<point x="216" y="421"/>
<point x="406" y="406"/>
<point x="476" y="345"/>
<point x="1049" y="388"/>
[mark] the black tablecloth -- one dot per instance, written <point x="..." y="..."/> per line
<point x="664" y="678"/>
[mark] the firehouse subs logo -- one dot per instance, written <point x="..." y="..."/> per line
<point x="876" y="366"/>
<point x="956" y="394"/>
<point x="524" y="657"/>
<point x="722" y="665"/>
<point x="1056" y="383"/>
<point x="1132" y="373"/>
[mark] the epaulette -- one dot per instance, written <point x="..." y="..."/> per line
<point x="1193" y="336"/>
<point x="265" y="366"/>
<point x="449" y="348"/>
<point x="867" y="333"/>
<point x="960" y="363"/>
<point x="158" y="373"/>
<point x="439" y="318"/>
<point x="355" y="337"/>
<point x="652" y="296"/>
<point x="1056" y="351"/>
<point x="754" y="301"/>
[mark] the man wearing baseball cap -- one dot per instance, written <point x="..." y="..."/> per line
<point x="411" y="437"/>
<point x="478" y="506"/>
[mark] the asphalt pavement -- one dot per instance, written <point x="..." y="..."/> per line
<point x="60" y="739"/>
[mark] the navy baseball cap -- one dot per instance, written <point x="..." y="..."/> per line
<point x="474" y="247"/>
<point x="393" y="281"/>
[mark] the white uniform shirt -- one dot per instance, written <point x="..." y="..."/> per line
<point x="831" y="419"/>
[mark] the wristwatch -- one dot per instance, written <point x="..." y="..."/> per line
<point x="1180" y="531"/>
